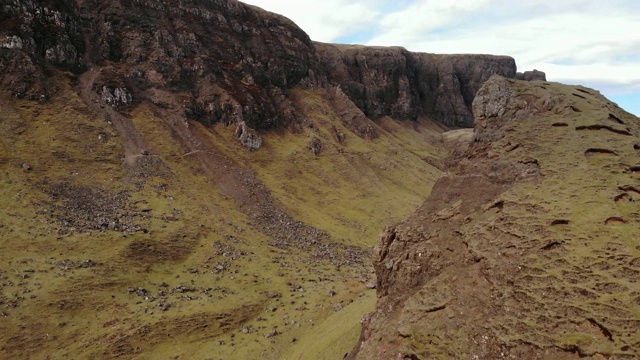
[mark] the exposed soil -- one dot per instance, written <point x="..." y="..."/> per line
<point x="604" y="127"/>
<point x="615" y="220"/>
<point x="135" y="146"/>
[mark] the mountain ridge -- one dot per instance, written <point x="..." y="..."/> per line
<point x="200" y="179"/>
<point x="252" y="66"/>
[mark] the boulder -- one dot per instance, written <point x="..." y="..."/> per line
<point x="532" y="75"/>
<point x="248" y="137"/>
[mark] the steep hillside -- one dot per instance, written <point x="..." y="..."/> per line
<point x="198" y="179"/>
<point x="527" y="247"/>
<point x="224" y="61"/>
<point x="205" y="252"/>
<point x="137" y="224"/>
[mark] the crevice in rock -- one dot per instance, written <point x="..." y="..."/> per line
<point x="436" y="308"/>
<point x="552" y="245"/>
<point x="560" y="222"/>
<point x="603" y="127"/>
<point x="602" y="328"/>
<point x="613" y="220"/>
<point x="629" y="188"/>
<point x="560" y="124"/>
<point x="621" y="197"/>
<point x="593" y="151"/>
<point x="513" y="147"/>
<point x="578" y="95"/>
<point x="497" y="205"/>
<point x="615" y="119"/>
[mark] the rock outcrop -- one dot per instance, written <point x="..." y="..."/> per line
<point x="532" y="75"/>
<point x="34" y="35"/>
<point x="248" y="137"/>
<point x="231" y="63"/>
<point x="210" y="50"/>
<point x="391" y="81"/>
<point x="503" y="260"/>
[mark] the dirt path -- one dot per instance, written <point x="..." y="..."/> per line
<point x="134" y="143"/>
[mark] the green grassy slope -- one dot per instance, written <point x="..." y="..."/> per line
<point x="155" y="261"/>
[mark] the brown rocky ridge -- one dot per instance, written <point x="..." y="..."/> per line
<point x="527" y="247"/>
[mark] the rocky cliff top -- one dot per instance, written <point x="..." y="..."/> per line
<point x="235" y="62"/>
<point x="231" y="62"/>
<point x="526" y="247"/>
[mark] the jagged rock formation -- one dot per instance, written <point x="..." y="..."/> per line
<point x="235" y="62"/>
<point x="248" y="137"/>
<point x="532" y="75"/>
<point x="394" y="82"/>
<point x="505" y="259"/>
<point x="34" y="35"/>
<point x="230" y="62"/>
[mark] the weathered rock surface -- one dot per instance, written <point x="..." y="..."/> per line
<point x="503" y="260"/>
<point x="34" y="35"/>
<point x="231" y="63"/>
<point x="352" y="117"/>
<point x="532" y="75"/>
<point x="395" y="82"/>
<point x="248" y="137"/>
<point x="234" y="61"/>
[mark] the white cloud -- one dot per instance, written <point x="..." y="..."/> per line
<point x="411" y="23"/>
<point x="327" y="20"/>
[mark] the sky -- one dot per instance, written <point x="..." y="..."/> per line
<point x="594" y="43"/>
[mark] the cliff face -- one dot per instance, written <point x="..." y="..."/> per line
<point x="505" y="259"/>
<point x="233" y="62"/>
<point x="229" y="61"/>
<point x="394" y="82"/>
<point x="33" y="35"/>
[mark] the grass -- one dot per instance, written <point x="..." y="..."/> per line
<point x="568" y="296"/>
<point x="336" y="334"/>
<point x="239" y="289"/>
<point x="348" y="187"/>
